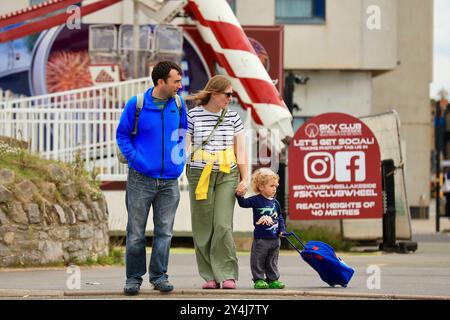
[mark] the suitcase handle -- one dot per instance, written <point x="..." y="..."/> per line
<point x="286" y="235"/>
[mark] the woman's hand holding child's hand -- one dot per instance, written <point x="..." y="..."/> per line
<point x="242" y="188"/>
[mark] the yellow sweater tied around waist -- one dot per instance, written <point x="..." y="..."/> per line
<point x="224" y="158"/>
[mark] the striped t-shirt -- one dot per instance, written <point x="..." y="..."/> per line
<point x="200" y="124"/>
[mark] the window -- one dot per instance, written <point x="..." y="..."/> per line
<point x="300" y="11"/>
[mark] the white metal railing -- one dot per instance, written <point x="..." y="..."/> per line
<point x="6" y="95"/>
<point x="59" y="125"/>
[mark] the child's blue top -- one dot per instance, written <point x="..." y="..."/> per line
<point x="264" y="206"/>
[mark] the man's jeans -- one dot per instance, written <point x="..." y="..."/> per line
<point x="142" y="193"/>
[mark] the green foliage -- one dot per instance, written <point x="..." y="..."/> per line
<point x="31" y="167"/>
<point x="23" y="159"/>
<point x="78" y="166"/>
<point x="115" y="257"/>
<point x="25" y="165"/>
<point x="81" y="175"/>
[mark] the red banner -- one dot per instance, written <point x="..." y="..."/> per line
<point x="334" y="170"/>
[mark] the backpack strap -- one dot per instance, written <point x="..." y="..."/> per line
<point x="139" y="105"/>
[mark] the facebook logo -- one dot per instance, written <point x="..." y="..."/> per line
<point x="350" y="166"/>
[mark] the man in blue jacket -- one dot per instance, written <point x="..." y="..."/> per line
<point x="156" y="159"/>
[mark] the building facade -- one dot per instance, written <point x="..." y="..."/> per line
<point x="360" y="57"/>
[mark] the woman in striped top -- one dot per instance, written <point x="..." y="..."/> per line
<point x="216" y="171"/>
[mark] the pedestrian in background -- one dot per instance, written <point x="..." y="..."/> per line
<point x="446" y="192"/>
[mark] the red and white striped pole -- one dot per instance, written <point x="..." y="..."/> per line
<point x="238" y="60"/>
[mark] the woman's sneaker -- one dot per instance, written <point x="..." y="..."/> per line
<point x="211" y="284"/>
<point x="261" y="284"/>
<point x="229" y="284"/>
<point x="276" y="284"/>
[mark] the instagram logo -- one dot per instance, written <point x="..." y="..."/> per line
<point x="319" y="167"/>
<point x="350" y="166"/>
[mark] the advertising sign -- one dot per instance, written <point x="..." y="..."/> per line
<point x="334" y="170"/>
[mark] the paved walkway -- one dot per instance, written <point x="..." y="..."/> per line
<point x="424" y="274"/>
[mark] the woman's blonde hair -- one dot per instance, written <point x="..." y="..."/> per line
<point x="216" y="84"/>
<point x="261" y="177"/>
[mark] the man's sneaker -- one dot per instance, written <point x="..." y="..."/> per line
<point x="131" y="289"/>
<point x="163" y="286"/>
<point x="276" y="284"/>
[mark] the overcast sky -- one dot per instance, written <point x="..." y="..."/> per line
<point x="441" y="74"/>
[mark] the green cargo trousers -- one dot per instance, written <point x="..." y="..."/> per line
<point x="212" y="225"/>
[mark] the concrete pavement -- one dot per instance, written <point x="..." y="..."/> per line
<point x="424" y="274"/>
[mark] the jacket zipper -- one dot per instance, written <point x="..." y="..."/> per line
<point x="162" y="153"/>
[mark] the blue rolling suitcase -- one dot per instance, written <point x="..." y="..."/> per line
<point x="322" y="258"/>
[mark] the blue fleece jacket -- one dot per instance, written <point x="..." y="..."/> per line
<point x="157" y="150"/>
<point x="264" y="207"/>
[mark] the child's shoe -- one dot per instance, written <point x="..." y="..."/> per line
<point x="261" y="284"/>
<point x="276" y="284"/>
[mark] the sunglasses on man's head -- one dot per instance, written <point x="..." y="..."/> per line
<point x="228" y="94"/>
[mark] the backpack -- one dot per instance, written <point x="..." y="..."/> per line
<point x="139" y="106"/>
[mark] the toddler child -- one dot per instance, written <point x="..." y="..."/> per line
<point x="269" y="227"/>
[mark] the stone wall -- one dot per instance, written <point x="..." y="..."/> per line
<point x="51" y="221"/>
